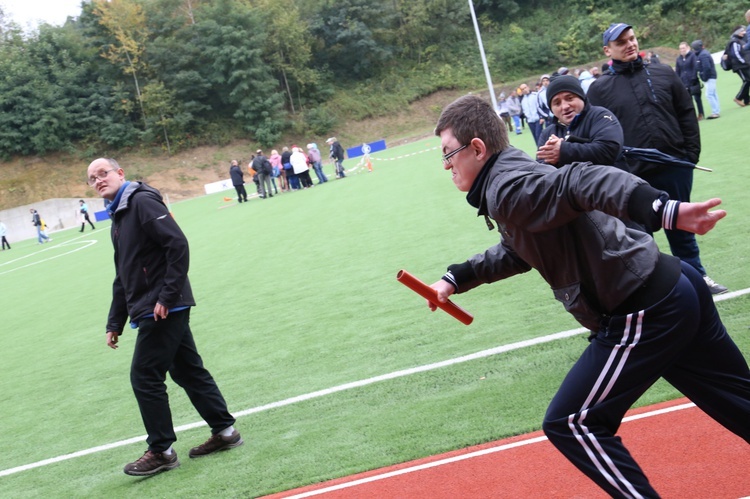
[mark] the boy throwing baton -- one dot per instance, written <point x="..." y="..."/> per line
<point x="650" y="314"/>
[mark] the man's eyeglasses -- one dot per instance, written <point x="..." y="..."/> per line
<point x="99" y="176"/>
<point x="447" y="157"/>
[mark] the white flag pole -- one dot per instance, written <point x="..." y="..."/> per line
<point x="484" y="58"/>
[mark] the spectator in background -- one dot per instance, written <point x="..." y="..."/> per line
<point x="3" y="233"/>
<point x="519" y="93"/>
<point x="301" y="170"/>
<point x="595" y="72"/>
<point x="578" y="131"/>
<point x="37" y="222"/>
<point x="263" y="167"/>
<point x="586" y="80"/>
<point x="276" y="168"/>
<point x="84" y="209"/>
<point x="253" y="174"/>
<point x="502" y="110"/>
<point x="740" y="65"/>
<point x="707" y="73"/>
<point x="316" y="161"/>
<point x="652" y="58"/>
<point x="686" y="68"/>
<point x="238" y="180"/>
<point x="544" y="113"/>
<point x="514" y="109"/>
<point x="337" y="154"/>
<point x="655" y="111"/>
<point x="530" y="110"/>
<point x="291" y="180"/>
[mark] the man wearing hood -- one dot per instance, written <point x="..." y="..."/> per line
<point x="740" y="65"/>
<point x="578" y="131"/>
<point x="655" y="111"/>
<point x="707" y="73"/>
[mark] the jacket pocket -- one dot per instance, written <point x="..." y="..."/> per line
<point x="574" y="302"/>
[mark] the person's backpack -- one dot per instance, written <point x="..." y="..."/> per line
<point x="262" y="165"/>
<point x="726" y="58"/>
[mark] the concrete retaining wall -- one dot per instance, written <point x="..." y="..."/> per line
<point x="58" y="214"/>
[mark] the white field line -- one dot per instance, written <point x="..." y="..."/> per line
<point x="335" y="389"/>
<point x="463" y="457"/>
<point x="78" y="241"/>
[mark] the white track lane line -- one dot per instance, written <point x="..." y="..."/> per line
<point x="463" y="457"/>
<point x="335" y="389"/>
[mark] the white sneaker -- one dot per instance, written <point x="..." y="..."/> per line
<point x="714" y="287"/>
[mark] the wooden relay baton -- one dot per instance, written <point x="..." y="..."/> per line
<point x="430" y="295"/>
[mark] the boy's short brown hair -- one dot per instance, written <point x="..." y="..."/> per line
<point x="471" y="117"/>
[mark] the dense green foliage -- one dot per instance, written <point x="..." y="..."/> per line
<point x="179" y="73"/>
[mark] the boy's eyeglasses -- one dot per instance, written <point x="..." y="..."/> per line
<point x="447" y="157"/>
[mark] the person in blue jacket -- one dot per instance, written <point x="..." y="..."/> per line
<point x="85" y="214"/>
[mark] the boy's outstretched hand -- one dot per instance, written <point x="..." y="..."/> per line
<point x="444" y="290"/>
<point x="696" y="217"/>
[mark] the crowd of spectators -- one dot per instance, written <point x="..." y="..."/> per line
<point x="287" y="171"/>
<point x="695" y="66"/>
<point x="599" y="114"/>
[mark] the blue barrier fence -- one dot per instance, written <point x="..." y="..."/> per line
<point x="363" y="149"/>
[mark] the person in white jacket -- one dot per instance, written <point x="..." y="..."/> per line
<point x="299" y="164"/>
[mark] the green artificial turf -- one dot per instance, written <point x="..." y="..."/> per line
<point x="298" y="294"/>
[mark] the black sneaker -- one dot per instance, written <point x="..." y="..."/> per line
<point x="714" y="287"/>
<point x="152" y="463"/>
<point x="217" y="443"/>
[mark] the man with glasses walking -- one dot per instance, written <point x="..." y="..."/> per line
<point x="151" y="287"/>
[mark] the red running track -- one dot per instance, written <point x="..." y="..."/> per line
<point x="685" y="454"/>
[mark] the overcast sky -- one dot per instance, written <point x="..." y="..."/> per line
<point x="30" y="12"/>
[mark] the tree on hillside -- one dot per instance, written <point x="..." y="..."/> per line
<point x="216" y="66"/>
<point x="355" y="37"/>
<point x="425" y="25"/>
<point x="287" y="47"/>
<point x="50" y="96"/>
<point x="126" y="22"/>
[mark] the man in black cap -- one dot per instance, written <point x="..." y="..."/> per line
<point x="578" y="131"/>
<point x="264" y="169"/>
<point x="655" y="111"/>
